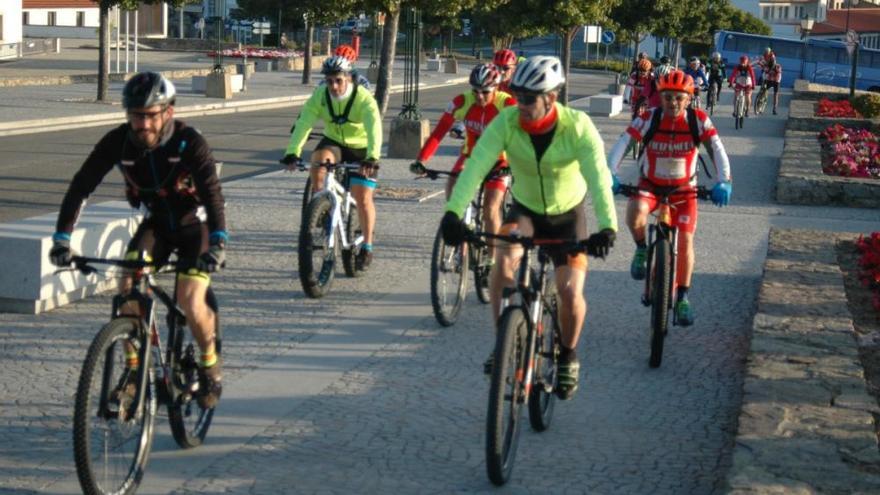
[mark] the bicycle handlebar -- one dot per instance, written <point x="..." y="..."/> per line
<point x="434" y="174"/>
<point x="701" y="192"/>
<point x="583" y="245"/>
<point x="303" y="165"/>
<point x="83" y="263"/>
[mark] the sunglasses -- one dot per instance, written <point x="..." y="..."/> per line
<point x="526" y="98"/>
<point x="134" y="115"/>
<point x="334" y="80"/>
<point x="505" y="67"/>
<point x="483" y="92"/>
<point x="679" y="98"/>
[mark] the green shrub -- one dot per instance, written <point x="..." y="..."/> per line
<point x="867" y="104"/>
<point x="610" y="65"/>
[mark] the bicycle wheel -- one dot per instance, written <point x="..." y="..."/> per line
<point x="190" y="422"/>
<point x="761" y="101"/>
<point x="352" y="232"/>
<point x="506" y="394"/>
<point x="317" y="259"/>
<point x="660" y="297"/>
<point x="307" y="198"/>
<point x="541" y="396"/>
<point x="449" y="272"/>
<point x="111" y="442"/>
<point x="710" y="100"/>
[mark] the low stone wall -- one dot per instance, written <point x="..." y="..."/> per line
<point x="800" y="179"/>
<point x="807" y="423"/>
<point x="186" y="44"/>
<point x="93" y="78"/>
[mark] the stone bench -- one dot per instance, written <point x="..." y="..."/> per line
<point x="606" y="105"/>
<point x="432" y="64"/>
<point x="200" y="83"/>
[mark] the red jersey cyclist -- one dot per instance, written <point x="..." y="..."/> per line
<point x="505" y="60"/>
<point x="475" y="109"/>
<point x="742" y="78"/>
<point x="670" y="160"/>
<point x="643" y="86"/>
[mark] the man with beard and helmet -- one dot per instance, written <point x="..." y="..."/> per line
<point x="556" y="155"/>
<point x="169" y="170"/>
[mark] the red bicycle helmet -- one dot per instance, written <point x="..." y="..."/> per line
<point x="676" y="80"/>
<point x="505" y="58"/>
<point x="743" y="59"/>
<point x="346" y="51"/>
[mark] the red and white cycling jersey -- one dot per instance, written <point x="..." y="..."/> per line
<point x="670" y="159"/>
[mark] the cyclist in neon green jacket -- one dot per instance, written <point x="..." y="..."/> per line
<point x="352" y="133"/>
<point x="556" y="155"/>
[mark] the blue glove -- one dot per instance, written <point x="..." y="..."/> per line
<point x="615" y="184"/>
<point x="721" y="193"/>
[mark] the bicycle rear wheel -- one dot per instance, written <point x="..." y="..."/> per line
<point x="506" y="394"/>
<point x="710" y="100"/>
<point x="541" y="396"/>
<point x="761" y="101"/>
<point x="111" y="439"/>
<point x="660" y="297"/>
<point x="317" y="259"/>
<point x="449" y="272"/>
<point x="189" y="421"/>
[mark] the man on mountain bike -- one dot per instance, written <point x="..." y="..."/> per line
<point x="352" y="133"/>
<point x="742" y="78"/>
<point x="642" y="87"/>
<point x="475" y="109"/>
<point x="771" y="78"/>
<point x="669" y="159"/>
<point x="170" y="171"/>
<point x="555" y="153"/>
<point x="717" y="73"/>
<point x="695" y="70"/>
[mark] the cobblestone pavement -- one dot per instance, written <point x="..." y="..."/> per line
<point x="362" y="392"/>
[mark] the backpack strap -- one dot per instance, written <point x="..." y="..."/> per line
<point x="693" y="126"/>
<point x="652" y="129"/>
<point x="341" y="119"/>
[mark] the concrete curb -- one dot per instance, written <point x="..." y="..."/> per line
<point x="68" y="123"/>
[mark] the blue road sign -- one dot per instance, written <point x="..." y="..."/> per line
<point x="607" y="37"/>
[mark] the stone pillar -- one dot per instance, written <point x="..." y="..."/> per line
<point x="218" y="85"/>
<point x="407" y="137"/>
<point x="325" y="43"/>
<point x="451" y="66"/>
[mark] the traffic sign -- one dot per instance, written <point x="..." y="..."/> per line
<point x="592" y="34"/>
<point x="608" y="37"/>
<point x="261" y="30"/>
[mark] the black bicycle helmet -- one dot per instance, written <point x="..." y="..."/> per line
<point x="147" y="89"/>
<point x="664" y="59"/>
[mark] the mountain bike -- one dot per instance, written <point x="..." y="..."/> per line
<point x="527" y="350"/>
<point x="761" y="100"/>
<point x="449" y="264"/>
<point x="662" y="241"/>
<point x="330" y="224"/>
<point x="115" y="406"/>
<point x="739" y="108"/>
<point x="712" y="98"/>
<point x="639" y="106"/>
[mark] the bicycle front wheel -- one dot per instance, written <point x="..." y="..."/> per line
<point x="541" y="396"/>
<point x="482" y="269"/>
<point x="189" y="421"/>
<point x="761" y="101"/>
<point x="111" y="437"/>
<point x="317" y="258"/>
<point x="660" y="297"/>
<point x="449" y="272"/>
<point x="710" y="100"/>
<point x="507" y="393"/>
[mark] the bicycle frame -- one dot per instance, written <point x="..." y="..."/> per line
<point x="662" y="228"/>
<point x="340" y="198"/>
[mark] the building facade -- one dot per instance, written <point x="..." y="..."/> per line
<point x="80" y="19"/>
<point x="10" y="29"/>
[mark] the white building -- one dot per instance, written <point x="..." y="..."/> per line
<point x="80" y="19"/>
<point x="784" y="16"/>
<point x="10" y="29"/>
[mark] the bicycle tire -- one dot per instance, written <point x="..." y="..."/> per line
<point x="190" y="422"/>
<point x="314" y="237"/>
<point x="710" y="100"/>
<point x="542" y="396"/>
<point x="352" y="230"/>
<point x="660" y="298"/>
<point x="95" y="405"/>
<point x="761" y="101"/>
<point x="448" y="259"/>
<point x="307" y="198"/>
<point x="506" y="395"/>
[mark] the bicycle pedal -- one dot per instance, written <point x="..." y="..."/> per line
<point x="645" y="300"/>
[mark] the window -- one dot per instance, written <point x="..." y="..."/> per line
<point x="51" y="19"/>
<point x="765" y="12"/>
<point x="827" y="55"/>
<point x="25" y="18"/>
<point x="785" y="10"/>
<point x="787" y="49"/>
<point x="80" y="19"/>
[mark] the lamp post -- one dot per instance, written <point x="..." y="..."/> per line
<point x="854" y="53"/>
<point x="806" y="27"/>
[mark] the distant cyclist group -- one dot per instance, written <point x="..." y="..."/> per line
<point x="534" y="159"/>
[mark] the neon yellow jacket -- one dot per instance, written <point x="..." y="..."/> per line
<point x="574" y="162"/>
<point x="363" y="129"/>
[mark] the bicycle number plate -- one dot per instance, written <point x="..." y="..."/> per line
<point x="670" y="167"/>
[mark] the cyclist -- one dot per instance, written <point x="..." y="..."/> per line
<point x="664" y="67"/>
<point x="475" y="108"/>
<point x="698" y="74"/>
<point x="670" y="159"/>
<point x="349" y="52"/>
<point x="352" y="133"/>
<point x="169" y="170"/>
<point x="742" y="78"/>
<point x="643" y="87"/>
<point x="771" y="79"/>
<point x="506" y="62"/>
<point x="555" y="155"/>
<point x="717" y="73"/>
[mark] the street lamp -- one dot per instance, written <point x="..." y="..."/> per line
<point x="806" y="27"/>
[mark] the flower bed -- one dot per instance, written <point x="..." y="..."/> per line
<point x="836" y="109"/>
<point x="257" y="53"/>
<point x="869" y="265"/>
<point x="849" y="152"/>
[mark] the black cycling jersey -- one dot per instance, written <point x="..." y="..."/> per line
<point x="172" y="180"/>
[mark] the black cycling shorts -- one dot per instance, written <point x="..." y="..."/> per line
<point x="772" y="84"/>
<point x="570" y="226"/>
<point x="348" y="155"/>
<point x="158" y="242"/>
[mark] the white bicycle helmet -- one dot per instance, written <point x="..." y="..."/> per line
<point x="335" y="65"/>
<point x="538" y="74"/>
<point x="485" y="76"/>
